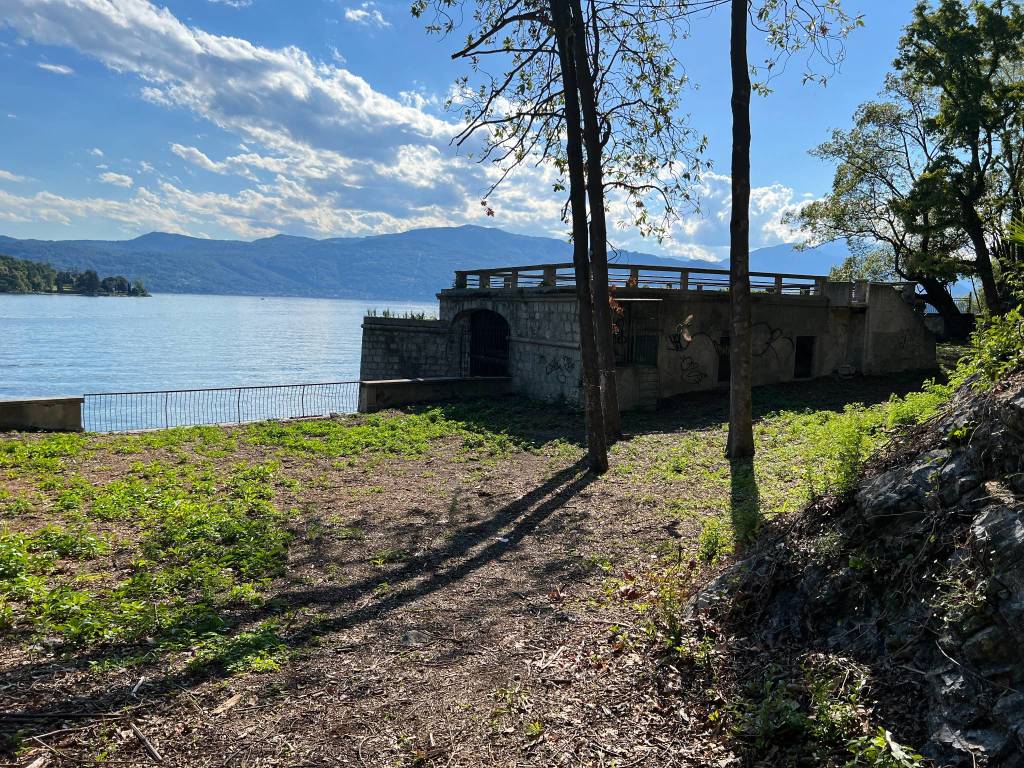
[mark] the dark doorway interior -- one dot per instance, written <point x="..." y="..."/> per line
<point x="488" y="344"/>
<point x="724" y="361"/>
<point x="635" y="333"/>
<point x="803" y="367"/>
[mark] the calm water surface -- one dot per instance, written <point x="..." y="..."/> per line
<point x="69" y="345"/>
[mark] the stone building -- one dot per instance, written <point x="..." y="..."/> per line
<point x="671" y="331"/>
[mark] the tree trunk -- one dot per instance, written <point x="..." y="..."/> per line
<point x="597" y="444"/>
<point x="957" y="325"/>
<point x="975" y="229"/>
<point x="741" y="428"/>
<point x="598" y="225"/>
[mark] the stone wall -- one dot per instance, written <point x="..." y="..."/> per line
<point x="863" y="328"/>
<point x="544" y="348"/>
<point x="398" y="348"/>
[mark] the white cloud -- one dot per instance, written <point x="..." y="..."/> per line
<point x="144" y="210"/>
<point x="367" y="14"/>
<point x="233" y="3"/>
<point x="57" y="69"/>
<point x="96" y="152"/>
<point x="8" y="176"/>
<point x="321" y="151"/>
<point x="117" y="179"/>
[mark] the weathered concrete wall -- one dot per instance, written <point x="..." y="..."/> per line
<point x="896" y="339"/>
<point x="377" y="395"/>
<point x="49" y="414"/>
<point x="401" y="348"/>
<point x="857" y="327"/>
<point x="695" y="330"/>
<point x="544" y="345"/>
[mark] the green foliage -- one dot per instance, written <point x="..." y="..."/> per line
<point x="713" y="541"/>
<point x="996" y="347"/>
<point x="204" y="542"/>
<point x="24" y="276"/>
<point x="875" y="265"/>
<point x="404" y="435"/>
<point x="882" y="751"/>
<point x="258" y="650"/>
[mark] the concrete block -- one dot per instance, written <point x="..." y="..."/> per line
<point x="42" y="414"/>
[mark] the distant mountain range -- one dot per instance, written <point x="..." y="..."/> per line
<point x="409" y="265"/>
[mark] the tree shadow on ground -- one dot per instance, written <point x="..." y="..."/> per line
<point x="331" y="608"/>
<point x="744" y="501"/>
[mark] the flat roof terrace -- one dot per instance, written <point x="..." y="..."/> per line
<point x="638" y="276"/>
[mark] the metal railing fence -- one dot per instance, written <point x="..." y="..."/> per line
<point x="162" y="409"/>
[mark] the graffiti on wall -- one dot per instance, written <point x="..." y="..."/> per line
<point x="562" y="368"/>
<point x="768" y="340"/>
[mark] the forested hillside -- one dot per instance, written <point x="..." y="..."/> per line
<point x="25" y="276"/>
<point x="408" y="265"/>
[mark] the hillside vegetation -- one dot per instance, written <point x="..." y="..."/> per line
<point x="24" y="276"/>
<point x="420" y="262"/>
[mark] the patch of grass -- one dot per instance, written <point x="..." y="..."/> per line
<point x="715" y="540"/>
<point x="406" y="435"/>
<point x="200" y="544"/>
<point x="349" y="533"/>
<point x="390" y="556"/>
<point x="258" y="650"/>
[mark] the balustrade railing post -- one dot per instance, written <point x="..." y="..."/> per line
<point x="167" y="418"/>
<point x="778" y="284"/>
<point x="460" y="279"/>
<point x="238" y="407"/>
<point x="684" y="279"/>
<point x="550" y="276"/>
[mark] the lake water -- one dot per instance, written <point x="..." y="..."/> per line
<point x="70" y="345"/>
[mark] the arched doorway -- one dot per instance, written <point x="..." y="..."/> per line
<point x="488" y="344"/>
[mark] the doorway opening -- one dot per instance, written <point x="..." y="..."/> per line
<point x="488" y="344"/>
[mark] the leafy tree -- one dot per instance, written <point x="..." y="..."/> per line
<point x="22" y="276"/>
<point x="874" y="266"/>
<point x="874" y="205"/>
<point x="970" y="53"/>
<point x="593" y="90"/>
<point x="88" y="283"/>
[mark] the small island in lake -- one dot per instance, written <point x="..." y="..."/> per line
<point x="24" y="276"/>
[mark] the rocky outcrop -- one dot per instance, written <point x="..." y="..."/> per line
<point x="923" y="569"/>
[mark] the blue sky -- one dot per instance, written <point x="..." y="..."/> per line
<point x="244" y="118"/>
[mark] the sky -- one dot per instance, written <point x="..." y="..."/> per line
<point x="241" y="119"/>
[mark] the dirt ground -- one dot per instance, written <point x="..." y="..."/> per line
<point x="437" y="611"/>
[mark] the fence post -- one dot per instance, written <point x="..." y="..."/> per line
<point x="167" y="419"/>
<point x="238" y="407"/>
<point x="302" y="401"/>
